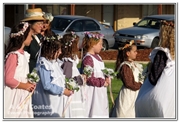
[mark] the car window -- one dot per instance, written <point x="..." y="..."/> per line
<point x="76" y="26"/>
<point x="149" y="23"/>
<point x="90" y="25"/>
<point x="60" y="23"/>
<point x="106" y="26"/>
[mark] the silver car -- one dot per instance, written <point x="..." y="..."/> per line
<point x="145" y="33"/>
<point x="62" y="24"/>
<point x="7" y="31"/>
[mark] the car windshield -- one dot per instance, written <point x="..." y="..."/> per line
<point x="149" y="23"/>
<point x="60" y="24"/>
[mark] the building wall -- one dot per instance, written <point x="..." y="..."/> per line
<point x="9" y="16"/>
<point x="149" y="10"/>
<point x="168" y="9"/>
<point x="93" y="11"/>
<point x="55" y="9"/>
<point x="126" y="15"/>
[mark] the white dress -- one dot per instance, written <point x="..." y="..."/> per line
<point x="158" y="100"/>
<point x="125" y="102"/>
<point x="14" y="97"/>
<point x="96" y="104"/>
<point x="76" y="106"/>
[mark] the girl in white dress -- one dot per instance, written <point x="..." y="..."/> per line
<point x="130" y="73"/>
<point x="70" y="61"/>
<point x="96" y="104"/>
<point x="16" y="86"/>
<point x="156" y="97"/>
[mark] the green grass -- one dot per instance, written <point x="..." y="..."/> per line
<point x="115" y="83"/>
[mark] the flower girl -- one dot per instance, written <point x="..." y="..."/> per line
<point x="130" y="73"/>
<point x="48" y="98"/>
<point x="17" y="87"/>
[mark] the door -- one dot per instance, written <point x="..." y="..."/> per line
<point x="108" y="12"/>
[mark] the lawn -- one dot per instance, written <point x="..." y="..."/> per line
<point x="115" y="83"/>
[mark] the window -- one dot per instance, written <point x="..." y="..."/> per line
<point x="149" y="23"/>
<point x="76" y="26"/>
<point x="60" y="23"/>
<point x="90" y="25"/>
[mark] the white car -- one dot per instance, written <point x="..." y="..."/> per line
<point x="62" y="24"/>
<point x="7" y="31"/>
<point x="145" y="33"/>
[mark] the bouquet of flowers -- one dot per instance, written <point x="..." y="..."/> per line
<point x="141" y="77"/>
<point x="109" y="72"/>
<point x="33" y="76"/>
<point x="88" y="70"/>
<point x="71" y="84"/>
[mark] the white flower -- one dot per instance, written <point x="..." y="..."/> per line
<point x="141" y="78"/>
<point x="141" y="75"/>
<point x="33" y="77"/>
<point x="109" y="72"/>
<point x="88" y="70"/>
<point x="71" y="84"/>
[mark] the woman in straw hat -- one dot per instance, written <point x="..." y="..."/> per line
<point x="36" y="19"/>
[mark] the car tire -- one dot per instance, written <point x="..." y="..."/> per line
<point x="105" y="45"/>
<point x="155" y="43"/>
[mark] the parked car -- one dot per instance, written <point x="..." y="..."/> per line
<point x="7" y="31"/>
<point x="63" y="24"/>
<point x="145" y="33"/>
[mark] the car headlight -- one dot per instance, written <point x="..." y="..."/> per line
<point x="141" y="37"/>
<point x="116" y="34"/>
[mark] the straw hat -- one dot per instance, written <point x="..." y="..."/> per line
<point x="34" y="14"/>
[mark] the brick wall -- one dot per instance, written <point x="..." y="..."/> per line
<point x="126" y="15"/>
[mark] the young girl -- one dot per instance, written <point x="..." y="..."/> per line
<point x="71" y="60"/>
<point x="48" y="98"/>
<point x="16" y="87"/>
<point x="130" y="73"/>
<point x="96" y="105"/>
<point x="156" y="97"/>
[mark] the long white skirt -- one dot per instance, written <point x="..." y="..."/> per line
<point x="158" y="100"/>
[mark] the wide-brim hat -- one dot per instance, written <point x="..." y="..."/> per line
<point x="33" y="14"/>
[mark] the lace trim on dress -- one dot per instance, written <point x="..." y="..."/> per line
<point x="27" y="55"/>
<point x="49" y="65"/>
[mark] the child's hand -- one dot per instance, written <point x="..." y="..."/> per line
<point x="106" y="84"/>
<point x="84" y="78"/>
<point x="68" y="92"/>
<point x="108" y="80"/>
<point x="30" y="87"/>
